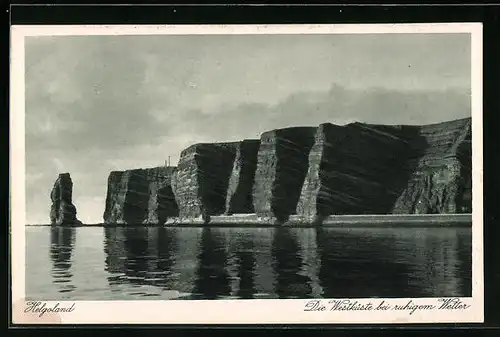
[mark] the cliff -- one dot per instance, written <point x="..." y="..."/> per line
<point x="282" y="163"/>
<point x="440" y="163"/>
<point x="354" y="169"/>
<point x="200" y="183"/>
<point x="378" y="169"/>
<point x="310" y="172"/>
<point x="62" y="211"/>
<point x="140" y="196"/>
<point x="239" y="193"/>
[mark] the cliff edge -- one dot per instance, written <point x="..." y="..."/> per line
<point x="140" y="196"/>
<point x="440" y="165"/>
<point x="311" y="172"/>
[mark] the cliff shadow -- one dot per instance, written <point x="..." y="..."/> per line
<point x="212" y="278"/>
<point x="240" y="189"/>
<point x="356" y="265"/>
<point x="167" y="205"/>
<point x="401" y="169"/>
<point x="114" y="181"/>
<point x="288" y="266"/>
<point x="215" y="163"/>
<point x="369" y="169"/>
<point x="136" y="199"/>
<point x="293" y="146"/>
<point x="62" y="241"/>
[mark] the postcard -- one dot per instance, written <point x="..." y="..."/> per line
<point x="246" y="174"/>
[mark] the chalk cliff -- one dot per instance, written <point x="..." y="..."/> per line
<point x="62" y="211"/>
<point x="140" y="196"/>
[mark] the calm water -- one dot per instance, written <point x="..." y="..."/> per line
<point x="211" y="263"/>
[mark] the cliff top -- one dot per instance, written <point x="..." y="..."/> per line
<point x="450" y="123"/>
<point x="205" y="146"/>
<point x="63" y="178"/>
<point x="291" y="129"/>
<point x="434" y="133"/>
<point x="163" y="169"/>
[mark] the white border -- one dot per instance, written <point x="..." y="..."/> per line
<point x="234" y="311"/>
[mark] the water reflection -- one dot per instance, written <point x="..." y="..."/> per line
<point x="358" y="264"/>
<point x="288" y="266"/>
<point x="391" y="263"/>
<point x="62" y="240"/>
<point x="212" y="276"/>
<point x="464" y="262"/>
<point x="249" y="263"/>
<point x="440" y="261"/>
<point x="140" y="256"/>
<point x="246" y="263"/>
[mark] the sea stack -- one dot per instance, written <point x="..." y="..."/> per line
<point x="63" y="212"/>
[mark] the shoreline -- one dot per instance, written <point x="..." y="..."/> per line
<point x="335" y="221"/>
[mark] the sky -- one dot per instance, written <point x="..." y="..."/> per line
<point x="95" y="104"/>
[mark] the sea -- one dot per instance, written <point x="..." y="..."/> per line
<point x="182" y="263"/>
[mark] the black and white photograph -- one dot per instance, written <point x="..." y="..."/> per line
<point x="232" y="165"/>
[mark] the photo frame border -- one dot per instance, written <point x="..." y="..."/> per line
<point x="485" y="185"/>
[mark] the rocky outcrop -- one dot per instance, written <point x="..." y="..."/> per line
<point x="377" y="169"/>
<point x="239" y="194"/>
<point x="62" y="211"/>
<point x="353" y="169"/>
<point x="441" y="171"/>
<point x="282" y="164"/>
<point x="141" y="196"/>
<point x="201" y="180"/>
<point x="161" y="204"/>
<point x="312" y="172"/>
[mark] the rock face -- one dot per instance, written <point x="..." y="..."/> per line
<point x="376" y="169"/>
<point x="353" y="169"/>
<point x="141" y="196"/>
<point x="239" y="194"/>
<point x="441" y="178"/>
<point x="62" y="211"/>
<point x="201" y="180"/>
<point x="309" y="171"/>
<point x="282" y="164"/>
